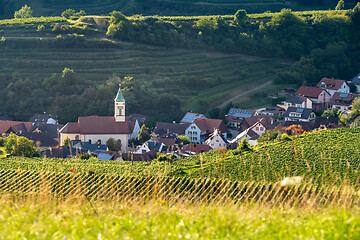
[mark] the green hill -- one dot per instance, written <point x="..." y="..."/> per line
<point x="160" y="7"/>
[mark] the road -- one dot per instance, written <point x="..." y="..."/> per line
<point x="244" y="93"/>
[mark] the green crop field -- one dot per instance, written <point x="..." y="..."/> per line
<point x="218" y="195"/>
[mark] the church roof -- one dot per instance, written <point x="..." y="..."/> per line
<point x="119" y="96"/>
<point x="97" y="125"/>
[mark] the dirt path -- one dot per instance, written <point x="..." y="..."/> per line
<point x="244" y="93"/>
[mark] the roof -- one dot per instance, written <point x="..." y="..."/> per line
<point x="190" y="117"/>
<point x="312" y="92"/>
<point x="89" y="147"/>
<point x="168" y="128"/>
<point x="140" y="157"/>
<point x="209" y="125"/>
<point x="104" y="156"/>
<point x="51" y="129"/>
<point x="5" y="125"/>
<point x="240" y="113"/>
<point x="40" y="117"/>
<point x="305" y="112"/>
<point x="265" y="120"/>
<point x="356" y="80"/>
<point x="331" y="83"/>
<point x="97" y="125"/>
<point x="40" y="139"/>
<point x="296" y="99"/>
<point x="196" y="148"/>
<point x="216" y="132"/>
<point x="119" y="96"/>
<point x="343" y="99"/>
<point x="63" y="152"/>
<point x="325" y="121"/>
<point x="252" y="135"/>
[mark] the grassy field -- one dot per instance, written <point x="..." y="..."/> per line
<point x="45" y="219"/>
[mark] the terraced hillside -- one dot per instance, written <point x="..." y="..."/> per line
<point x="205" y="77"/>
<point x="159" y="7"/>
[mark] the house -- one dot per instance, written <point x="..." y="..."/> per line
<point x="149" y="146"/>
<point x="193" y="149"/>
<point x="298" y="101"/>
<point x="145" y="157"/>
<point x="216" y="140"/>
<point x="356" y="82"/>
<point x="190" y="117"/>
<point x="248" y="134"/>
<point x="61" y="152"/>
<point x="41" y="140"/>
<point x="98" y="129"/>
<point x="343" y="101"/>
<point x="274" y="111"/>
<point x="164" y="129"/>
<point x="42" y="118"/>
<point x="299" y="114"/>
<point x="134" y="125"/>
<point x="14" y="127"/>
<point x="236" y="115"/>
<point x="334" y="85"/>
<point x="326" y="122"/>
<point x="257" y="125"/>
<point x="98" y="20"/>
<point x="200" y="130"/>
<point x="318" y="96"/>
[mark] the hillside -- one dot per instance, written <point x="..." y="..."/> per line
<point x="161" y="7"/>
<point x="32" y="55"/>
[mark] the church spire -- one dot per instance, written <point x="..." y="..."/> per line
<point x="119" y="96"/>
<point x="119" y="111"/>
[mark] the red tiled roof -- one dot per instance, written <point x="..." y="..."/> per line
<point x="97" y="125"/>
<point x="196" y="148"/>
<point x="209" y="125"/>
<point x="331" y="83"/>
<point x="5" y="125"/>
<point x="340" y="99"/>
<point x="312" y="92"/>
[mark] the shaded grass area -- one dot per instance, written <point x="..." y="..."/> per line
<point x="79" y="219"/>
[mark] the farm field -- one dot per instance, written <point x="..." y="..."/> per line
<point x="77" y="220"/>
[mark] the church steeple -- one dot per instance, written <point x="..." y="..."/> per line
<point x="119" y="111"/>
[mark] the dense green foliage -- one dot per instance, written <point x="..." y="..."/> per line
<point x="113" y="145"/>
<point x="19" y="146"/>
<point x="24" y="12"/>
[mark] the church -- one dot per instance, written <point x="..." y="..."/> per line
<point x="98" y="129"/>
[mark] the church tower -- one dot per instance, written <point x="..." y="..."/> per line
<point x="119" y="112"/>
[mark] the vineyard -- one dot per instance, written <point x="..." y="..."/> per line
<point x="228" y="190"/>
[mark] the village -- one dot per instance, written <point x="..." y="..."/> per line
<point x="194" y="134"/>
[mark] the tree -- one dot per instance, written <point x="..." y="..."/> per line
<point x="333" y="112"/>
<point x="113" y="145"/>
<point x="24" y="12"/>
<point x="184" y="139"/>
<point x="116" y="17"/>
<point x="69" y="13"/>
<point x="340" y="5"/>
<point x="67" y="142"/>
<point x="19" y="146"/>
<point x="240" y="16"/>
<point x="355" y="14"/>
<point x="243" y="146"/>
<point x="144" y="134"/>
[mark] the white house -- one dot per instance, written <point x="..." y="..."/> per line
<point x="150" y="145"/>
<point x="216" y="140"/>
<point x="356" y="82"/>
<point x="298" y="101"/>
<point x="332" y="85"/>
<point x="99" y="129"/>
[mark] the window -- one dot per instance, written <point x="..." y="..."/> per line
<point x="194" y="138"/>
<point x="89" y="141"/>
<point x="119" y="111"/>
<point x="217" y="140"/>
<point x="99" y="142"/>
<point x="261" y="129"/>
<point x="193" y="127"/>
<point x="77" y="137"/>
<point x="257" y="128"/>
